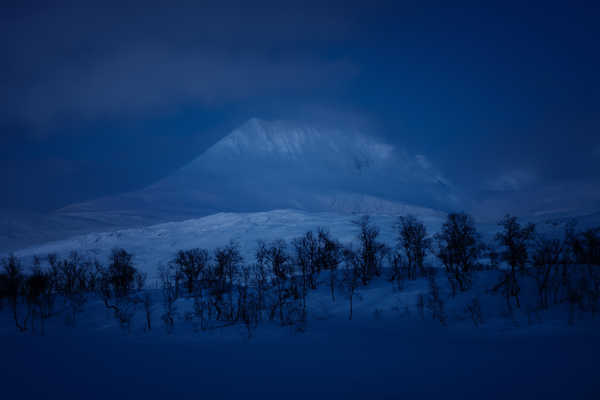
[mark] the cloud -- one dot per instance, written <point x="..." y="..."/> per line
<point x="423" y="161"/>
<point x="513" y="180"/>
<point x="106" y="59"/>
<point x="151" y="78"/>
<point x="545" y="199"/>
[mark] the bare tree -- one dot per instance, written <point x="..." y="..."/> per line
<point x="330" y="256"/>
<point x="313" y="253"/>
<point x="169" y="293"/>
<point x="120" y="286"/>
<point x="412" y="241"/>
<point x="248" y="311"/>
<point x="568" y="263"/>
<point x="352" y="276"/>
<point x="458" y="248"/>
<point x="587" y="251"/>
<point x="306" y="249"/>
<point x="191" y="264"/>
<point x="275" y="255"/>
<point x="547" y="258"/>
<point x="515" y="241"/>
<point x="14" y="280"/>
<point x="228" y="261"/>
<point x="74" y="279"/>
<point x="371" y="252"/>
<point x="261" y="280"/>
<point x="40" y="294"/>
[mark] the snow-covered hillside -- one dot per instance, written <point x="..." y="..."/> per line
<point x="156" y="245"/>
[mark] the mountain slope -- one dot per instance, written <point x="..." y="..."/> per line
<point x="269" y="165"/>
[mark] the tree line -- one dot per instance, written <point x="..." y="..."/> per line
<point x="226" y="290"/>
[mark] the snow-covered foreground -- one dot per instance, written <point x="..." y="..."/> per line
<point x="378" y="359"/>
<point x="385" y="351"/>
<point x="391" y="348"/>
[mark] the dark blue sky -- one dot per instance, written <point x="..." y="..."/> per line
<point x="104" y="97"/>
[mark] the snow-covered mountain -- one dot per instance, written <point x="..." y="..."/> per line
<point x="271" y="165"/>
<point x="266" y="166"/>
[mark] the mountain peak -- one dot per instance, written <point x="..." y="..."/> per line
<point x="287" y="140"/>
